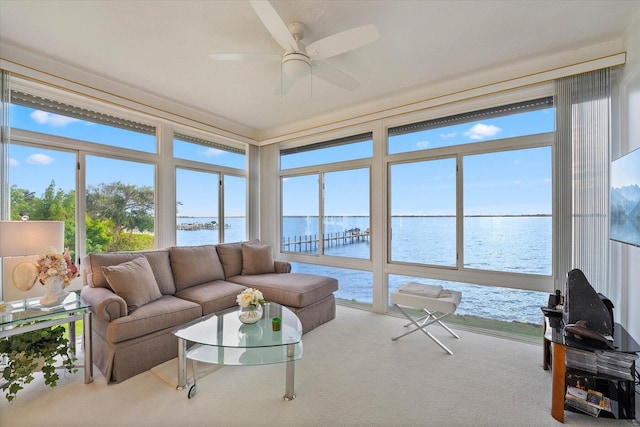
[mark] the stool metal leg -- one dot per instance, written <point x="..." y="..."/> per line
<point x="427" y="320"/>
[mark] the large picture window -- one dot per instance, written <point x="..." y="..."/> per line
<point x="211" y="191"/>
<point x="476" y="194"/>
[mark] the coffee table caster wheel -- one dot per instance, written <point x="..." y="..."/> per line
<point x="192" y="391"/>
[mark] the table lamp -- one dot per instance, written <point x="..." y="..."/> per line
<point x="27" y="238"/>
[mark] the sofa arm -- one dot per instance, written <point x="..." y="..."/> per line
<point x="104" y="303"/>
<point x="282" y="267"/>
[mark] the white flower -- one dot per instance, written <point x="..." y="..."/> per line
<point x="249" y="297"/>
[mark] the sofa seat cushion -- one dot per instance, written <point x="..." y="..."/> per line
<point x="213" y="296"/>
<point x="158" y="259"/>
<point x="194" y="265"/>
<point x="291" y="289"/>
<point x="165" y="312"/>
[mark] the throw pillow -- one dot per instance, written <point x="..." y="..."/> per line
<point x="133" y="281"/>
<point x="230" y="255"/>
<point x="257" y="259"/>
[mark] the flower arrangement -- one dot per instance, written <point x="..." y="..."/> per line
<point x="55" y="264"/>
<point x="250" y="298"/>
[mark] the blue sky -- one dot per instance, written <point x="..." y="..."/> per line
<point x="501" y="183"/>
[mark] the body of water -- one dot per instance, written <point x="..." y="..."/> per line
<point x="508" y="244"/>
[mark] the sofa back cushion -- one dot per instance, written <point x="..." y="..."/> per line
<point x="158" y="260"/>
<point x="231" y="257"/>
<point x="195" y="265"/>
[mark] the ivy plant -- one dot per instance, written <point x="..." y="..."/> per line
<point x="24" y="352"/>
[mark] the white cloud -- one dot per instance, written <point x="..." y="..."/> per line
<point x="13" y="162"/>
<point x="482" y="131"/>
<point x="422" y="144"/>
<point x="212" y="152"/>
<point x="448" y="135"/>
<point x="45" y="118"/>
<point x="40" y="159"/>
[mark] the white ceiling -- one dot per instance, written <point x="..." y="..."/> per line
<point x="162" y="47"/>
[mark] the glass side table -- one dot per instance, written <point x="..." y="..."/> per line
<point x="28" y="315"/>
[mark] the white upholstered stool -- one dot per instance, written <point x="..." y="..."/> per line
<point x="435" y="301"/>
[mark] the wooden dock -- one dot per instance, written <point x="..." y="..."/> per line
<point x="193" y="226"/>
<point x="310" y="243"/>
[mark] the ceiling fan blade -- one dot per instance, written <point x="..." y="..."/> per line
<point x="275" y="25"/>
<point x="333" y="76"/>
<point x="343" y="42"/>
<point x="245" y="57"/>
<point x="284" y="84"/>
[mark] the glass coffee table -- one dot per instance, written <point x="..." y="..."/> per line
<point x="221" y="339"/>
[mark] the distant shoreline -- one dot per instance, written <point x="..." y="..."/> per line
<point x="395" y="216"/>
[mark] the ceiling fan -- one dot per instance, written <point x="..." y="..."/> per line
<point x="299" y="60"/>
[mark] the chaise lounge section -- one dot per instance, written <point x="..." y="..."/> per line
<point x="139" y="297"/>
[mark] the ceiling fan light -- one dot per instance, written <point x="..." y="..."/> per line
<point x="296" y="65"/>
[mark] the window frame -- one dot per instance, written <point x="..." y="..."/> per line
<point x="321" y="258"/>
<point x="459" y="273"/>
<point x="205" y="167"/>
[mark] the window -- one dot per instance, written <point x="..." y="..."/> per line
<point x="50" y="117"/>
<point x="346" y="213"/>
<point x="200" y="150"/>
<point x="509" y="121"/>
<point x="120" y="204"/>
<point x="337" y="150"/>
<point x="211" y="192"/>
<point x="300" y="210"/>
<point x="423" y="212"/>
<point x="325" y="210"/>
<point x="507" y="211"/>
<point x="120" y="196"/>
<point x="197" y="216"/>
<point x="42" y="186"/>
<point x="235" y="208"/>
<point x="470" y="201"/>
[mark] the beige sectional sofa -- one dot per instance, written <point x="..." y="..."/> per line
<point x="138" y="298"/>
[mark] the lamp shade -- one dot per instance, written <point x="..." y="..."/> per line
<point x="22" y="238"/>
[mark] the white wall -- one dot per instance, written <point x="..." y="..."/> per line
<point x="625" y="259"/>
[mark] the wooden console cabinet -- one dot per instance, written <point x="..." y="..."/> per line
<point x="620" y="391"/>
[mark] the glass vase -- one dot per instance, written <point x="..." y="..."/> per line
<point x="250" y="314"/>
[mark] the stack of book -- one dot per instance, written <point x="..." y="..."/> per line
<point x="582" y="359"/>
<point x="616" y="364"/>
<point x="582" y="387"/>
<point x="590" y="402"/>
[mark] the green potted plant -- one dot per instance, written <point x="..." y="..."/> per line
<point x="25" y="352"/>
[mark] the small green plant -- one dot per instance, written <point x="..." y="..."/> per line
<point x="24" y="352"/>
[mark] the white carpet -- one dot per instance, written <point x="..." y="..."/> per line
<point x="168" y="371"/>
<point x="351" y="374"/>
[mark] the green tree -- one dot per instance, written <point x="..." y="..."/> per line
<point x="98" y="235"/>
<point x="128" y="208"/>
<point x="21" y="201"/>
<point x="53" y="205"/>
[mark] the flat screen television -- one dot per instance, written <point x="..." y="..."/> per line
<point x="625" y="199"/>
